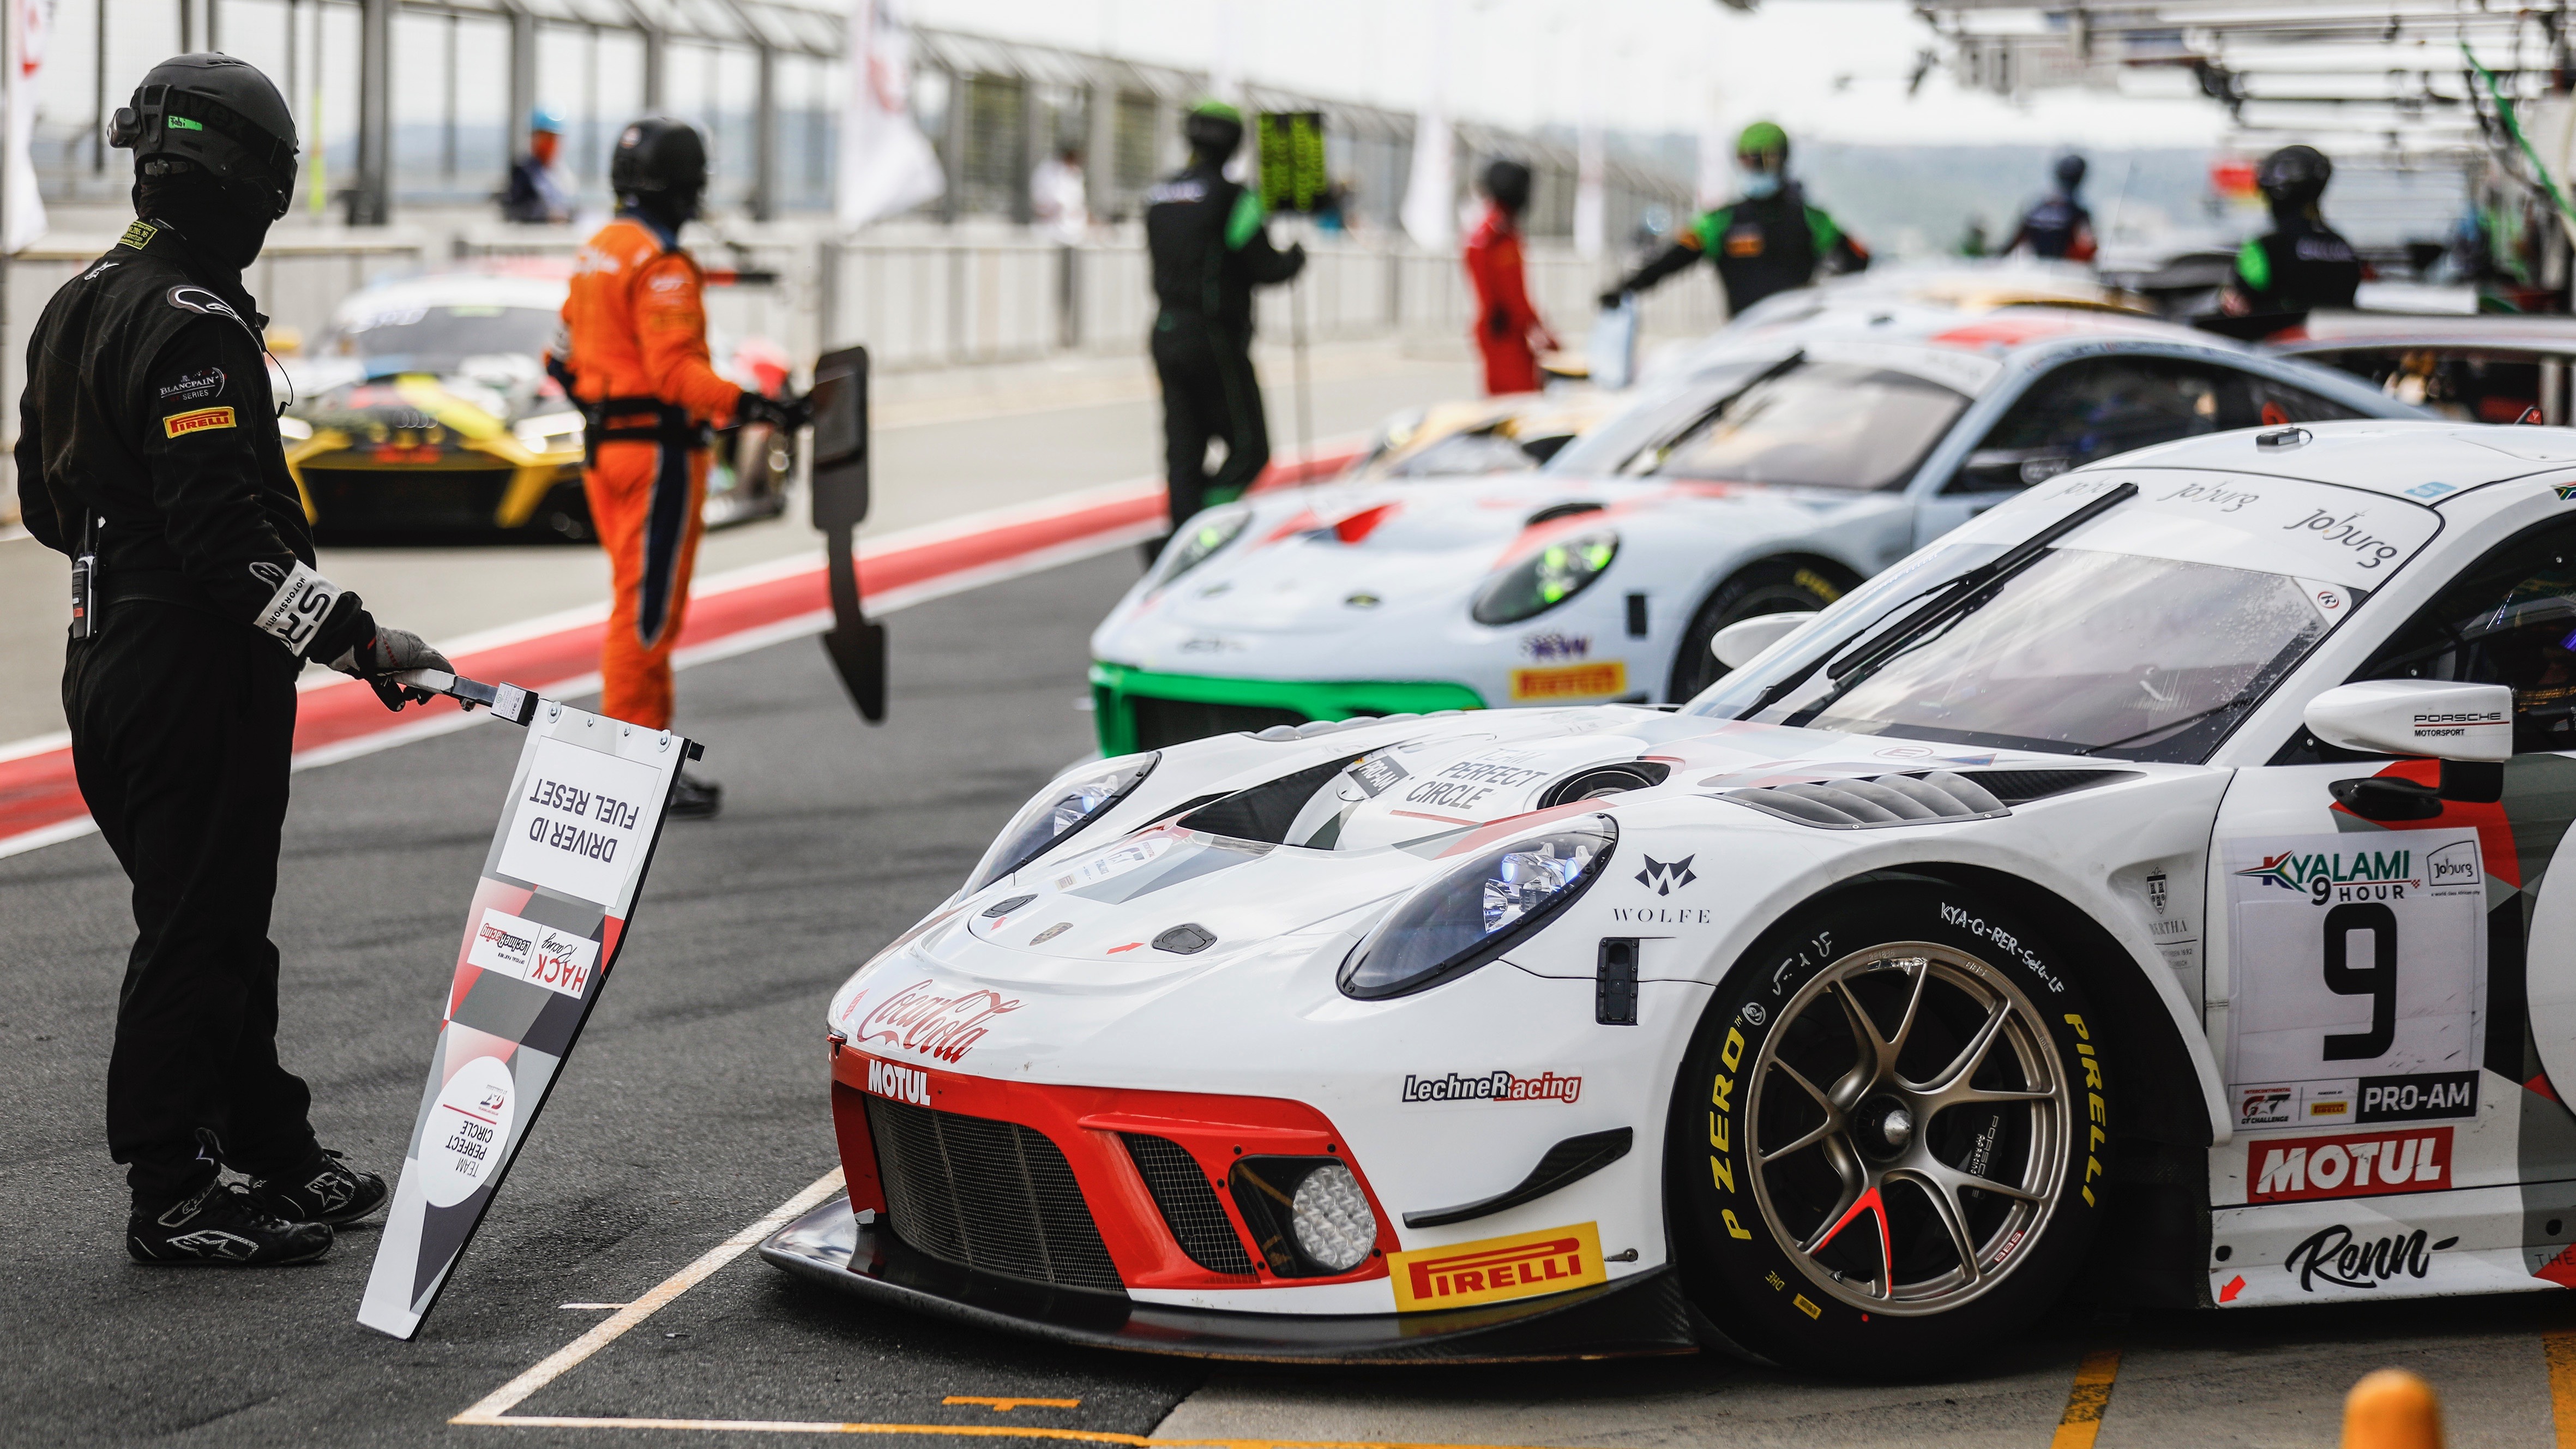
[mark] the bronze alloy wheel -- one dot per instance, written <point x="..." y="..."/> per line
<point x="1907" y="1127"/>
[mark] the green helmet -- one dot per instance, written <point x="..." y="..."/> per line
<point x="1763" y="144"/>
<point x="1218" y="110"/>
<point x="1213" y="128"/>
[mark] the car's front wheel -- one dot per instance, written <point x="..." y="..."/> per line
<point x="1764" y="588"/>
<point x="1888" y="1140"/>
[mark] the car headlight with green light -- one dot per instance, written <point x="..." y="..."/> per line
<point x="1199" y="540"/>
<point x="1546" y="578"/>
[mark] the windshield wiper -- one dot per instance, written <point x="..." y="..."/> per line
<point x="1713" y="412"/>
<point x="1878" y="647"/>
<point x="2168" y="727"/>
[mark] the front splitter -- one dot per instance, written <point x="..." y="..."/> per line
<point x="1642" y="1315"/>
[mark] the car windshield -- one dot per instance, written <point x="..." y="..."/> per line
<point x="2146" y="634"/>
<point x="1813" y="424"/>
<point x="437" y="338"/>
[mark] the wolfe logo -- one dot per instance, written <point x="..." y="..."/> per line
<point x="1496" y="1270"/>
<point x="919" y="1020"/>
<point x="903" y="1084"/>
<point x="1494" y="1086"/>
<point x="2334" y="1257"/>
<point x="1664" y="876"/>
<point x="2298" y="1169"/>
<point x="2339" y="874"/>
<point x="179" y="425"/>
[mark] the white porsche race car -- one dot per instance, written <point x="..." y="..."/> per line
<point x="2156" y="874"/>
<point x="1780" y="464"/>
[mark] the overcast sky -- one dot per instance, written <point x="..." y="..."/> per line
<point x="1824" y="68"/>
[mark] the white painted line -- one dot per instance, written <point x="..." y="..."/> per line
<point x="501" y="1400"/>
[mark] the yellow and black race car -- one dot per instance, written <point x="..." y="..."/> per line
<point x="426" y="415"/>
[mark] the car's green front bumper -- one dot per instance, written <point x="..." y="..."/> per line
<point x="1120" y="694"/>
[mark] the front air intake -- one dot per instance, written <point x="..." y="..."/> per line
<point x="993" y="1196"/>
<point x="1189" y="1204"/>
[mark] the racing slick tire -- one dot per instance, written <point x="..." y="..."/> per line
<point x="1952" y="1148"/>
<point x="1778" y="587"/>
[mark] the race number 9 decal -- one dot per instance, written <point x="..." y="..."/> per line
<point x="2378" y="980"/>
<point x="2355" y="977"/>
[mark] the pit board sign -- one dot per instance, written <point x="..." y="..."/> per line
<point x="542" y="934"/>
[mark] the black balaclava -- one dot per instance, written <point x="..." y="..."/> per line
<point x="228" y="229"/>
<point x="665" y="209"/>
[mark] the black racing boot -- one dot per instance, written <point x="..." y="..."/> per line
<point x="325" y="1189"/>
<point x="222" y="1226"/>
<point x="695" y="799"/>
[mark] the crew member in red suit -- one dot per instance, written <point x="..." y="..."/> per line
<point x="1508" y="331"/>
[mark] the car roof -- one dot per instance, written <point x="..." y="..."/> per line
<point x="2394" y="456"/>
<point x="484" y="288"/>
<point x="2355" y="331"/>
<point x="1987" y="331"/>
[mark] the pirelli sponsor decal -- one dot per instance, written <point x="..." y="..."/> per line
<point x="179" y="425"/>
<point x="1496" y="1270"/>
<point x="1572" y="681"/>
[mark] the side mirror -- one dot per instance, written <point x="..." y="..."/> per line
<point x="2468" y="727"/>
<point x="2418" y="717"/>
<point x="1739" y="643"/>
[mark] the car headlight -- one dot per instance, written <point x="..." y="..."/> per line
<point x="1200" y="538"/>
<point x="1546" y="578"/>
<point x="1479" y="910"/>
<point x="549" y="432"/>
<point x="1058" y="811"/>
<point x="1308" y="1215"/>
<point x="294" y="430"/>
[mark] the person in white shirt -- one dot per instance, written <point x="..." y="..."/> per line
<point x="1056" y="198"/>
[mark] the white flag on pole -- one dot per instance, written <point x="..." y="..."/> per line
<point x="31" y="22"/>
<point x="1430" y="195"/>
<point x="887" y="166"/>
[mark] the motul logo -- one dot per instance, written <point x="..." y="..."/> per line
<point x="903" y="1084"/>
<point x="2297" y="1169"/>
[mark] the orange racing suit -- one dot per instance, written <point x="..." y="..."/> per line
<point x="642" y="374"/>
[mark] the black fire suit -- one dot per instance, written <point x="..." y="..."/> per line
<point x="2299" y="265"/>
<point x="1210" y="248"/>
<point x="1761" y="246"/>
<point x="147" y="434"/>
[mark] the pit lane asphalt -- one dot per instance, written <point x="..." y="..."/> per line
<point x="696" y="1103"/>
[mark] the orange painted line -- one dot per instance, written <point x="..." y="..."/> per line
<point x="2560" y="1350"/>
<point x="1004" y="1406"/>
<point x="2087" y="1401"/>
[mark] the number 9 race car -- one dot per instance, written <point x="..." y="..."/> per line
<point x="2153" y="876"/>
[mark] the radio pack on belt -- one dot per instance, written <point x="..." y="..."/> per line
<point x="671" y="423"/>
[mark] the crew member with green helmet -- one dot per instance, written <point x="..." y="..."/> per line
<point x="1769" y="240"/>
<point x="1210" y="247"/>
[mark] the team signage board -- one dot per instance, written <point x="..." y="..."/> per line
<point x="558" y="890"/>
<point x="1293" y="177"/>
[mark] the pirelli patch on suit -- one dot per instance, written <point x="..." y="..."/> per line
<point x="179" y="425"/>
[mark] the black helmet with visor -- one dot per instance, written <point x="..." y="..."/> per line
<point x="213" y="113"/>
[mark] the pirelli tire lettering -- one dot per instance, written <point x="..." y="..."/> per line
<point x="1871" y="1050"/>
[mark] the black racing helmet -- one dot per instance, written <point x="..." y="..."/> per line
<point x="1213" y="128"/>
<point x="2294" y="176"/>
<point x="2070" y="173"/>
<point x="210" y="112"/>
<point x="660" y="159"/>
<point x="1508" y="182"/>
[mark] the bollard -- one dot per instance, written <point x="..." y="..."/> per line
<point x="2392" y="1409"/>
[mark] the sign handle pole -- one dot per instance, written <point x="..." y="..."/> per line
<point x="1305" y="389"/>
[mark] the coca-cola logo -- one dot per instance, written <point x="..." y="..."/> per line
<point x="2334" y="1256"/>
<point x="918" y="1019"/>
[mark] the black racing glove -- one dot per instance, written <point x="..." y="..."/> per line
<point x="786" y="414"/>
<point x="1611" y="299"/>
<point x="1498" y="323"/>
<point x="387" y="652"/>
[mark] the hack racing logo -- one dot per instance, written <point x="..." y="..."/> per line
<point x="918" y="1019"/>
<point x="1493" y="1086"/>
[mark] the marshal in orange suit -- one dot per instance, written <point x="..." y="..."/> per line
<point x="640" y="370"/>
